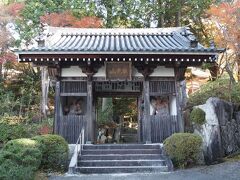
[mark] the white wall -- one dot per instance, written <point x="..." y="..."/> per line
<point x="162" y="71"/>
<point x="101" y="72"/>
<point x="173" y="106"/>
<point x="73" y="71"/>
<point x="135" y="72"/>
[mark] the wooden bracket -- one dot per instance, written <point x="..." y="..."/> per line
<point x="180" y="73"/>
<point x="90" y="70"/>
<point x="146" y="70"/>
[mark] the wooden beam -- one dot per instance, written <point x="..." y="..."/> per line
<point x="73" y="94"/>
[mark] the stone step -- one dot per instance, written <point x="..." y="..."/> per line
<point x="121" y="151"/>
<point x="122" y="169"/>
<point x="123" y="157"/>
<point x="122" y="146"/>
<point x="148" y="162"/>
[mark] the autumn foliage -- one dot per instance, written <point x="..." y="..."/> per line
<point x="14" y="9"/>
<point x="66" y="19"/>
<point x="7" y="56"/>
<point x="227" y="17"/>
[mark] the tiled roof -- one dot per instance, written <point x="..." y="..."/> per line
<point x="123" y="41"/>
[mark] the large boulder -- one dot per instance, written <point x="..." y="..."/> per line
<point x="220" y="132"/>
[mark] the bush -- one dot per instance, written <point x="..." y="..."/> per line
<point x="55" y="151"/>
<point x="20" y="159"/>
<point x="198" y="116"/>
<point x="25" y="152"/>
<point x="12" y="131"/>
<point x="15" y="127"/>
<point x="12" y="127"/>
<point x="10" y="170"/>
<point x="183" y="148"/>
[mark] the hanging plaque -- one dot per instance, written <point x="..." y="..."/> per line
<point x="118" y="70"/>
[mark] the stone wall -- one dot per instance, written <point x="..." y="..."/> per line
<point x="221" y="131"/>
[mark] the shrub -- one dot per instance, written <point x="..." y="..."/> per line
<point x="12" y="131"/>
<point x="198" y="116"/>
<point x="10" y="170"/>
<point x="55" y="151"/>
<point x="19" y="159"/>
<point x="183" y="148"/>
<point x="25" y="152"/>
<point x="12" y="127"/>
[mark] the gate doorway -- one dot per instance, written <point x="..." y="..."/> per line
<point x="118" y="112"/>
<point x="117" y="120"/>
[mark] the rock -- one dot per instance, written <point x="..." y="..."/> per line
<point x="220" y="133"/>
<point x="211" y="143"/>
<point x="223" y="110"/>
<point x="237" y="117"/>
<point x="103" y="139"/>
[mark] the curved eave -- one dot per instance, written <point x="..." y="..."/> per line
<point x="185" y="52"/>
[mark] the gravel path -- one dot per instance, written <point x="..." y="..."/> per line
<point x="223" y="171"/>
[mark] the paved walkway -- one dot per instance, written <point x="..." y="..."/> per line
<point x="223" y="171"/>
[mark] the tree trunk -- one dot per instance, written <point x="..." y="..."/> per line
<point x="45" y="89"/>
<point x="1" y="71"/>
<point x="230" y="73"/>
<point x="238" y="65"/>
<point x="109" y="8"/>
<point x="160" y="14"/>
<point x="214" y="70"/>
<point x="178" y="15"/>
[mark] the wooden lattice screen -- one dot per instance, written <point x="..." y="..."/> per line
<point x="161" y="87"/>
<point x="73" y="87"/>
<point x="121" y="86"/>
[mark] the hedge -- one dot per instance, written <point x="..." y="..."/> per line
<point x="55" y="151"/>
<point x="19" y="159"/>
<point x="183" y="148"/>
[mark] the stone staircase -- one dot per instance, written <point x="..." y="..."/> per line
<point x="123" y="158"/>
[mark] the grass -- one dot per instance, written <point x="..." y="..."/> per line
<point x="233" y="157"/>
<point x="220" y="88"/>
<point x="41" y="176"/>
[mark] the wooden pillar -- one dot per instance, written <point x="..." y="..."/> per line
<point x="179" y="76"/>
<point x="139" y="132"/>
<point x="90" y="124"/>
<point x="146" y="123"/>
<point x="94" y="120"/>
<point x="146" y="70"/>
<point x="90" y="70"/>
<point x="57" y="109"/>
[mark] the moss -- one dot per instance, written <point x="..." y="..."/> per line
<point x="183" y="148"/>
<point x="197" y="116"/>
<point x="233" y="157"/>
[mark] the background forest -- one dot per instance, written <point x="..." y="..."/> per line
<point x="20" y="21"/>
